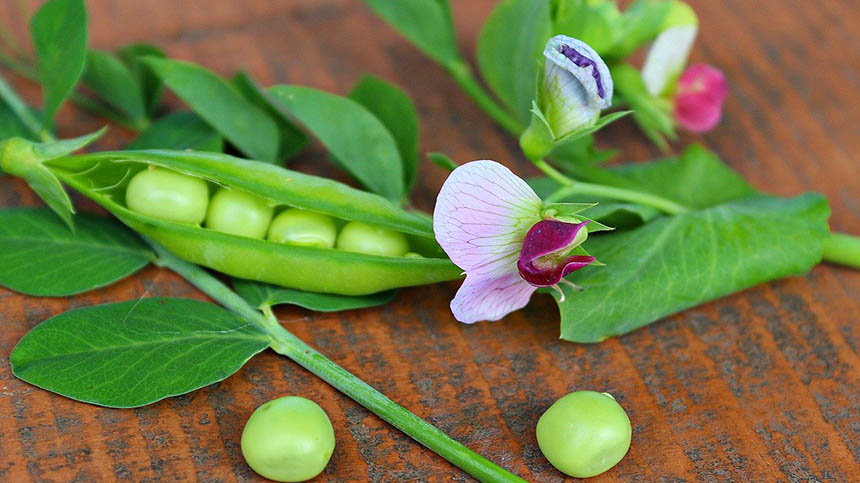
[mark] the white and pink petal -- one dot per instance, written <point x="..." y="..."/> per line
<point x="482" y="215"/>
<point x="490" y="298"/>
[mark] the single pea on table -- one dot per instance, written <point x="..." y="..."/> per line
<point x="288" y="439"/>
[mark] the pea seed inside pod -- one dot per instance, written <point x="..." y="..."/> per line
<point x="363" y="238"/>
<point x="168" y="195"/>
<point x="239" y="213"/>
<point x="304" y="228"/>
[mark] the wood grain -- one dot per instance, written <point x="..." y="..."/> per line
<point x="763" y="385"/>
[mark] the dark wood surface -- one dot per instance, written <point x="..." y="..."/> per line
<point x="763" y="385"/>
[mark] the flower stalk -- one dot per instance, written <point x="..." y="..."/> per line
<point x="287" y="344"/>
<point x="462" y="74"/>
<point x="572" y="187"/>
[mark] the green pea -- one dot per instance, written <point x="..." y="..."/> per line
<point x="168" y="195"/>
<point x="288" y="439"/>
<point x="584" y="433"/>
<point x="239" y="213"/>
<point x="305" y="228"/>
<point x="363" y="238"/>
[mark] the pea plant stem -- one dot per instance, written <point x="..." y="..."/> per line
<point x="17" y="105"/>
<point x="286" y="343"/>
<point x="462" y="74"/>
<point x="572" y="187"/>
<point x="843" y="249"/>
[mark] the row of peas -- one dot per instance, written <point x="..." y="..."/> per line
<point x="173" y="196"/>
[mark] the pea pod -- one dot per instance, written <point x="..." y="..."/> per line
<point x="103" y="177"/>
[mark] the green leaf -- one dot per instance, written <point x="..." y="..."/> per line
<point x="427" y="23"/>
<point x="23" y="158"/>
<point x="395" y="109"/>
<point x="40" y="256"/>
<point x="265" y="295"/>
<point x="179" y="130"/>
<point x="151" y="86"/>
<point x="116" y="85"/>
<point x="59" y="31"/>
<point x="293" y="139"/>
<point x="509" y="51"/>
<point x="356" y="138"/>
<point x="221" y="105"/>
<point x="639" y="24"/>
<point x="592" y="24"/>
<point x="682" y="261"/>
<point x="134" y="353"/>
<point x="443" y="161"/>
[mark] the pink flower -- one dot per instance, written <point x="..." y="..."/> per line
<point x="699" y="98"/>
<point x="493" y="226"/>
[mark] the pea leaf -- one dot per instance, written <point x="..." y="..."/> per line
<point x="261" y="294"/>
<point x="151" y="86"/>
<point x="40" y="256"/>
<point x="395" y="109"/>
<point x="590" y="23"/>
<point x="509" y="51"/>
<point x="221" y="105"/>
<point x="116" y="85"/>
<point x="677" y="262"/>
<point x="357" y="140"/>
<point x="59" y="32"/>
<point x="293" y="139"/>
<point x="179" y="130"/>
<point x="427" y="23"/>
<point x="640" y="23"/>
<point x="134" y="353"/>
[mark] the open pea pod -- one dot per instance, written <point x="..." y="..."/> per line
<point x="104" y="176"/>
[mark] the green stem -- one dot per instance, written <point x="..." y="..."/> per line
<point x="462" y="73"/>
<point x="572" y="187"/>
<point x="287" y="344"/>
<point x="843" y="249"/>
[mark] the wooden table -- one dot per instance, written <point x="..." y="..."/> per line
<point x="763" y="385"/>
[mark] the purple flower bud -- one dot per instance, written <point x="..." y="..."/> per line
<point x="576" y="85"/>
<point x="699" y="99"/>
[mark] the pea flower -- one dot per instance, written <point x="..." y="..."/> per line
<point x="668" y="54"/>
<point x="493" y="226"/>
<point x="699" y="98"/>
<point x="576" y="85"/>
